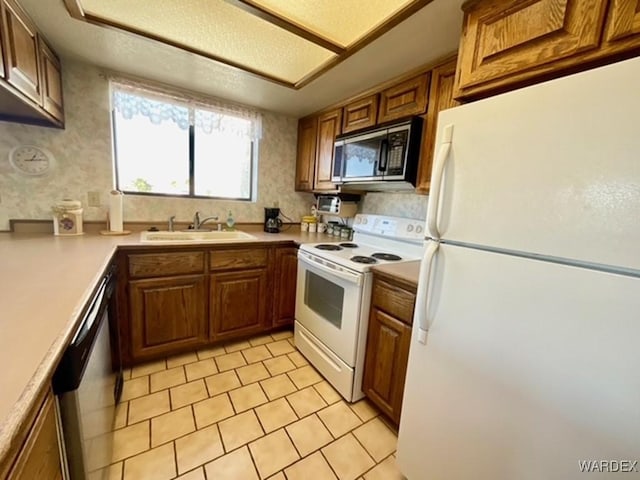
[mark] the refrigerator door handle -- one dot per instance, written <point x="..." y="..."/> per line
<point x="436" y="182"/>
<point x="421" y="317"/>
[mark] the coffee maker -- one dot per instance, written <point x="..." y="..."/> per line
<point x="272" y="223"/>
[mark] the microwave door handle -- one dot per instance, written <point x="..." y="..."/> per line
<point x="383" y="158"/>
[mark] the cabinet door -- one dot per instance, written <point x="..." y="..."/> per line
<point x="238" y="303"/>
<point x="360" y="114"/>
<point x="405" y="99"/>
<point x="507" y="42"/>
<point x="20" y="41"/>
<point x="167" y="315"/>
<point x="306" y="158"/>
<point x="622" y="31"/>
<point x="286" y="271"/>
<point x="385" y="367"/>
<point x="328" y="128"/>
<point x="440" y="98"/>
<point x="40" y="454"/>
<point x="51" y="81"/>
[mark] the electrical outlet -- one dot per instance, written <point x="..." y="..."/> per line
<point x="94" y="199"/>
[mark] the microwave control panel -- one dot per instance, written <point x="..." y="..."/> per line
<point x="397" y="152"/>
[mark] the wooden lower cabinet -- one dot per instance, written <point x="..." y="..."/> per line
<point x="39" y="457"/>
<point x="179" y="299"/>
<point x="285" y="276"/>
<point x="167" y="314"/>
<point x="238" y="303"/>
<point x="388" y="341"/>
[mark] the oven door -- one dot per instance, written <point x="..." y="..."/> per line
<point x="328" y="302"/>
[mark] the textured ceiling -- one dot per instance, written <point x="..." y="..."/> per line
<point x="430" y="33"/>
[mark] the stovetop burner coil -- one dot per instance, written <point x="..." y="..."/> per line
<point x="390" y="257"/>
<point x="328" y="246"/>
<point x="362" y="259"/>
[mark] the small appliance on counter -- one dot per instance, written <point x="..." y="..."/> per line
<point x="272" y="222"/>
<point x="67" y="217"/>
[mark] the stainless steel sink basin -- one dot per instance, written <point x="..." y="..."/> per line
<point x="208" y="237"/>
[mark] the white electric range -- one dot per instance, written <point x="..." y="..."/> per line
<point x="334" y="292"/>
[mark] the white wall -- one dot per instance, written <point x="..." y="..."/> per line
<point x="84" y="163"/>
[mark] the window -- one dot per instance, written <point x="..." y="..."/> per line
<point x="169" y="145"/>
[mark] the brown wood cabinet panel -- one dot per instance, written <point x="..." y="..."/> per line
<point x="40" y="455"/>
<point x="167" y="314"/>
<point x="394" y="300"/>
<point x="622" y="29"/>
<point x="306" y="155"/>
<point x="238" y="258"/>
<point x="238" y="303"/>
<point x="51" y="81"/>
<point x="505" y="42"/>
<point x="360" y="114"/>
<point x="440" y="98"/>
<point x="164" y="264"/>
<point x="285" y="276"/>
<point x="405" y="99"/>
<point x="387" y="353"/>
<point x="19" y="37"/>
<point x="329" y="125"/>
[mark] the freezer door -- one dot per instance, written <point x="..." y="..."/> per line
<point x="551" y="169"/>
<point x="529" y="368"/>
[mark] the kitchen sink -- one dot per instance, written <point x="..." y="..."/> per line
<point x="213" y="236"/>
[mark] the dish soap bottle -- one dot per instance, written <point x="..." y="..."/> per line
<point x="230" y="221"/>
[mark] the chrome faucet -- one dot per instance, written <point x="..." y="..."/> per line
<point x="197" y="223"/>
<point x="171" y="219"/>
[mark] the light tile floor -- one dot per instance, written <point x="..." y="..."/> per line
<point x="249" y="410"/>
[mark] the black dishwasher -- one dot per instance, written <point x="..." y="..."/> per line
<point x="88" y="383"/>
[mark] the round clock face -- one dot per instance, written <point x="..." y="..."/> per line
<point x="30" y="160"/>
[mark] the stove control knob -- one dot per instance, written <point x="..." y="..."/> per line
<point x="418" y="229"/>
<point x="358" y="220"/>
<point x="364" y="221"/>
<point x="409" y="228"/>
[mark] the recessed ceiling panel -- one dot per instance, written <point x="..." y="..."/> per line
<point x="342" y="21"/>
<point x="220" y="30"/>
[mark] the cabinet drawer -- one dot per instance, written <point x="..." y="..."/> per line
<point x="240" y="258"/>
<point x="162" y="264"/>
<point x="394" y="301"/>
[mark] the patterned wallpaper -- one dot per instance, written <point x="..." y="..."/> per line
<point x="84" y="163"/>
<point x="409" y="205"/>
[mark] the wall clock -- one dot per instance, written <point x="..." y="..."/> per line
<point x="31" y="160"/>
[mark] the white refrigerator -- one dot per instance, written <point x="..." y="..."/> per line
<point x="525" y="355"/>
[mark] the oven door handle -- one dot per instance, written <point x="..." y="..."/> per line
<point x="330" y="270"/>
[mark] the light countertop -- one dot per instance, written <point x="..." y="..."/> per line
<point x="45" y="282"/>
<point x="408" y="271"/>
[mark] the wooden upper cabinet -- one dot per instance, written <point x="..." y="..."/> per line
<point x="306" y="156"/>
<point x="360" y="114"/>
<point x="622" y="30"/>
<point x="440" y="98"/>
<point x="329" y="125"/>
<point x="404" y="99"/>
<point x="20" y="40"/>
<point x="51" y="81"/>
<point x="509" y="42"/>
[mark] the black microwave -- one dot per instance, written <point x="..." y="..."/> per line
<point x="379" y="156"/>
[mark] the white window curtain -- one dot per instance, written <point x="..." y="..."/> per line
<point x="131" y="98"/>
